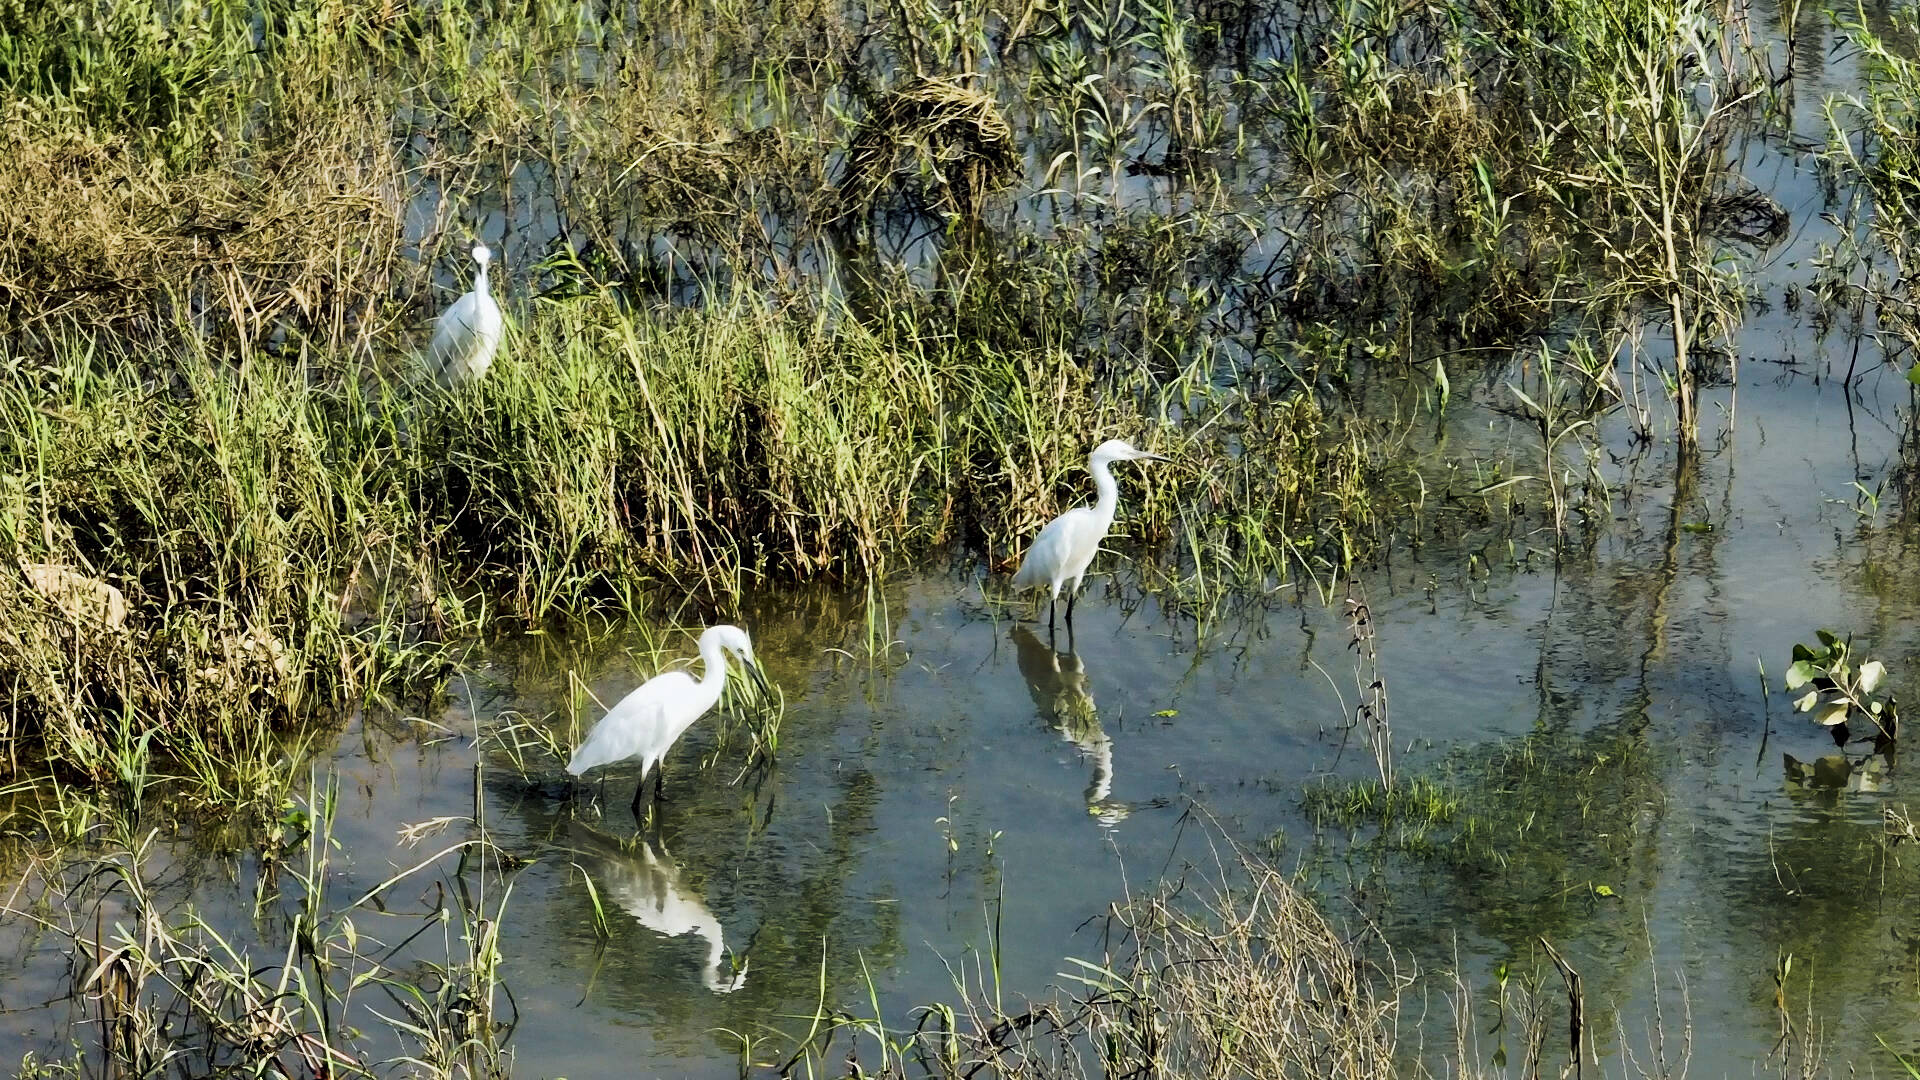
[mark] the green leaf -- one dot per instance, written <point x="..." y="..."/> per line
<point x="1801" y="652"/>
<point x="1807" y="702"/>
<point x="1167" y="712"/>
<point x="1531" y="404"/>
<point x="1440" y="382"/>
<point x="1508" y="482"/>
<point x="1826" y="637"/>
<point x="1912" y="1070"/>
<point x="1836" y="714"/>
<point x="1871" y="673"/>
<point x="1913" y="374"/>
<point x="1604" y="890"/>
<point x="1799" y="674"/>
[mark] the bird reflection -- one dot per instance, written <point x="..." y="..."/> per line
<point x="1057" y="681"/>
<point x="643" y="880"/>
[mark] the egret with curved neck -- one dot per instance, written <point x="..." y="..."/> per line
<point x="646" y="723"/>
<point x="1064" y="549"/>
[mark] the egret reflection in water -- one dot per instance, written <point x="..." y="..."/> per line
<point x="644" y="881"/>
<point x="1057" y="681"/>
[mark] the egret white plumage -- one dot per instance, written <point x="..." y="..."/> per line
<point x="1065" y="548"/>
<point x="645" y="724"/>
<point x="467" y="334"/>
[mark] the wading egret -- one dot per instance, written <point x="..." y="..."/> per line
<point x="646" y="723"/>
<point x="468" y="332"/>
<point x="646" y="885"/>
<point x="1065" y="548"/>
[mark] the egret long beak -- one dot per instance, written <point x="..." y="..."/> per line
<point x="1144" y="456"/>
<point x="761" y="687"/>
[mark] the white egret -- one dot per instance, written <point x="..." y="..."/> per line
<point x="649" y="889"/>
<point x="468" y="332"/>
<point x="646" y="723"/>
<point x="1065" y="548"/>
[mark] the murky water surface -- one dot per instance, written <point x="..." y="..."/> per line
<point x="948" y="773"/>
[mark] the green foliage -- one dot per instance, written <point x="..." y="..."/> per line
<point x="1837" y="690"/>
<point x="1875" y="135"/>
<point x="283" y="543"/>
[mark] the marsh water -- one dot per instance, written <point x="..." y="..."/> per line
<point x="959" y="794"/>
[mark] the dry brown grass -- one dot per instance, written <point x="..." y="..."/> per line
<point x="1255" y="981"/>
<point x="303" y="236"/>
<point x="1242" y="977"/>
<point x="952" y="136"/>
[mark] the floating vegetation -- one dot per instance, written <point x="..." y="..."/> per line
<point x="1837" y="690"/>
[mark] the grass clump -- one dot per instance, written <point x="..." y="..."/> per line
<point x="1216" y="980"/>
<point x="174" y="994"/>
<point x="215" y="507"/>
<point x="1875" y="136"/>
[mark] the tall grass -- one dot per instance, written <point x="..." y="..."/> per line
<point x="287" y="541"/>
<point x="163" y="989"/>
<point x="782" y="310"/>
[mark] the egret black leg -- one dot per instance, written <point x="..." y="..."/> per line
<point x="659" y="782"/>
<point x="1070" y="597"/>
<point x="1051" y="602"/>
<point x="638" y="790"/>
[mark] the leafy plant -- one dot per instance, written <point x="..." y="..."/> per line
<point x="1836" y="690"/>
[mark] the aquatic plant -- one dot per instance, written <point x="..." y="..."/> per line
<point x="1839" y="689"/>
<point x="176" y="996"/>
<point x="1212" y="979"/>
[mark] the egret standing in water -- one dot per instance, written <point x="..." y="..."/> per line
<point x="468" y="332"/>
<point x="1065" y="548"/>
<point x="646" y="723"/>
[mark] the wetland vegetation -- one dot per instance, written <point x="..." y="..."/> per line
<point x="814" y="311"/>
